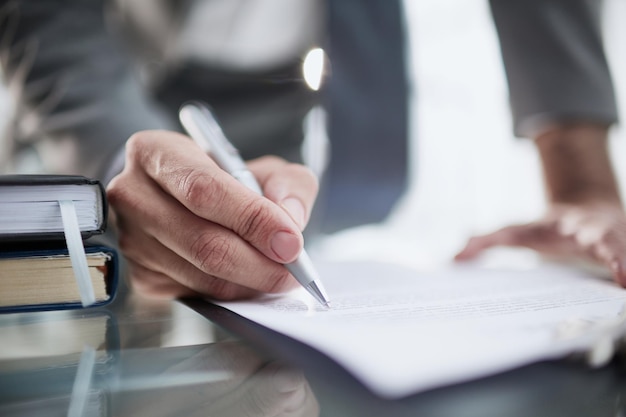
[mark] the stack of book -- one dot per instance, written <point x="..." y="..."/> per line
<point x="37" y="271"/>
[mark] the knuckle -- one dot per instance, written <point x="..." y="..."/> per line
<point x="115" y="190"/>
<point x="124" y="198"/>
<point x="198" y="188"/>
<point x="305" y="172"/>
<point x="114" y="184"/>
<point x="254" y="220"/>
<point x="135" y="143"/>
<point x="120" y="191"/>
<point x="138" y="139"/>
<point x="212" y="254"/>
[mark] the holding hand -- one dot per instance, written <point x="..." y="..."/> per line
<point x="189" y="228"/>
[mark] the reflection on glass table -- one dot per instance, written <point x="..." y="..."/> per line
<point x="126" y="363"/>
<point x="154" y="358"/>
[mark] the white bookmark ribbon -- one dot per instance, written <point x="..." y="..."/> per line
<point x="77" y="252"/>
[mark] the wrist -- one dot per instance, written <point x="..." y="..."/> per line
<point x="576" y="164"/>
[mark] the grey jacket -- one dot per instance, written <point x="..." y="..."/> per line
<point x="75" y="86"/>
<point x="555" y="63"/>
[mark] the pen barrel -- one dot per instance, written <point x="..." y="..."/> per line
<point x="302" y="269"/>
<point x="206" y="131"/>
<point x="305" y="273"/>
<point x="247" y="178"/>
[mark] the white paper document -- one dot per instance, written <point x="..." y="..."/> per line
<point x="401" y="331"/>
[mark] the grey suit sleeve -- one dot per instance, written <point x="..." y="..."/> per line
<point x="72" y="85"/>
<point x="555" y="63"/>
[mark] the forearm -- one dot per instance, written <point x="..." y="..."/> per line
<point x="576" y="164"/>
<point x="585" y="219"/>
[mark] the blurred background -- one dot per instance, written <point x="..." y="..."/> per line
<point x="469" y="174"/>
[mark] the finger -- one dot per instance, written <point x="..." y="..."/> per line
<point x="539" y="236"/>
<point x="163" y="264"/>
<point x="291" y="186"/>
<point x="214" y="251"/>
<point x="608" y="247"/>
<point x="506" y="236"/>
<point x="192" y="178"/>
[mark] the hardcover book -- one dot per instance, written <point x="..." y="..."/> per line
<point x="37" y="271"/>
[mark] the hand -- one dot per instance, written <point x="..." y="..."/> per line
<point x="586" y="218"/>
<point x="187" y="228"/>
<point x="595" y="231"/>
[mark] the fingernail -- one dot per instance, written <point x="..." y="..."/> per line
<point x="295" y="208"/>
<point x="286" y="246"/>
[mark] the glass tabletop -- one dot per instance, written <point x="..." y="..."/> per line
<point x="162" y="358"/>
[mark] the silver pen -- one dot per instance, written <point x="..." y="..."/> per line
<point x="201" y="125"/>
